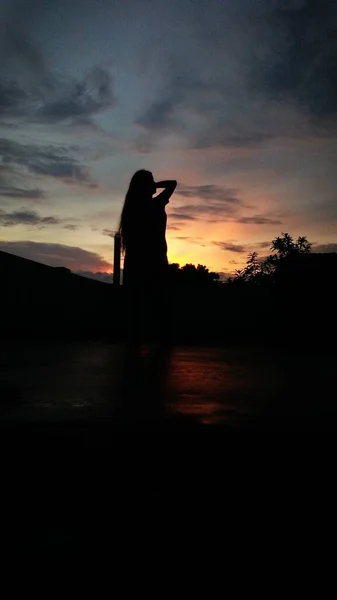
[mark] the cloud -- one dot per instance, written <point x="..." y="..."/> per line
<point x="21" y="193"/>
<point x="173" y="228"/>
<point x="29" y="90"/>
<point x="217" y="203"/>
<point x="25" y="217"/>
<point x="62" y="101"/>
<point x="217" y="211"/>
<point x="297" y="55"/>
<point x="230" y="246"/>
<point x="51" y="160"/>
<point x="70" y="226"/>
<point x="192" y="240"/>
<point x="326" y="248"/>
<point x="258" y="220"/>
<point x="220" y="110"/>
<point x="57" y="255"/>
<point x="209" y="192"/>
<point x="263" y="71"/>
<point x="262" y="245"/>
<point x="182" y="216"/>
<point x="13" y="98"/>
<point x="31" y="218"/>
<point x="108" y="232"/>
<point x="20" y="50"/>
<point x="79" y="99"/>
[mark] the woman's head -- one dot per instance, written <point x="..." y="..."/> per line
<point x="142" y="184"/>
<point x="141" y="188"/>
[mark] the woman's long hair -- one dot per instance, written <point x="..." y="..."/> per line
<point x="140" y="190"/>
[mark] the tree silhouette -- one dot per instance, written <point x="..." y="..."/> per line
<point x="285" y="245"/>
<point x="191" y="275"/>
<point x="263" y="271"/>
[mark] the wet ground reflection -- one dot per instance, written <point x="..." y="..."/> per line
<point x="42" y="381"/>
<point x="217" y="385"/>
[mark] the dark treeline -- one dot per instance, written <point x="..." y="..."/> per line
<point x="290" y="295"/>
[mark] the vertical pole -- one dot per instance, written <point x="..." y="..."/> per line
<point x="117" y="259"/>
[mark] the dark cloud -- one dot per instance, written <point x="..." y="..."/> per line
<point x="53" y="161"/>
<point x="230" y="247"/>
<point x="262" y="245"/>
<point x="192" y="240"/>
<point x="262" y="70"/>
<point x="214" y="211"/>
<point x="218" y="203"/>
<point x="13" y="98"/>
<point x="209" y="192"/>
<point x="21" y="193"/>
<point x="57" y="255"/>
<point x="296" y="56"/>
<point x="108" y="232"/>
<point x="208" y="113"/>
<point x="67" y="101"/>
<point x="30" y="90"/>
<point x="31" y="218"/>
<point x="258" y="220"/>
<point x="26" y="217"/>
<point x="23" y="53"/>
<point x="182" y="216"/>
<point x="80" y="99"/>
<point x="173" y="228"/>
<point x="234" y="262"/>
<point x="70" y="227"/>
<point x="326" y="248"/>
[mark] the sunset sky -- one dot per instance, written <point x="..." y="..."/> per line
<point x="237" y="100"/>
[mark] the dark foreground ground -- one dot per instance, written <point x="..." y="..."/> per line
<point x="81" y="468"/>
<point x="91" y="391"/>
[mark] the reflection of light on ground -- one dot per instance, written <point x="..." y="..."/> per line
<point x="199" y="382"/>
<point x="209" y="385"/>
<point x="212" y="386"/>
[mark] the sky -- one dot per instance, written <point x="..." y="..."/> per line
<point x="237" y="101"/>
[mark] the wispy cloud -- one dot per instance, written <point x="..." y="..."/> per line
<point x="258" y="220"/>
<point x="209" y="192"/>
<point x="325" y="248"/>
<point x="108" y="232"/>
<point x="21" y="193"/>
<point x="64" y="101"/>
<point x="80" y="99"/>
<point x="216" y="203"/>
<point x="219" y="211"/>
<point x="31" y="218"/>
<point x="173" y="228"/>
<point x="53" y="161"/>
<point x="190" y="239"/>
<point x="43" y="95"/>
<point x="231" y="246"/>
<point x="181" y="216"/>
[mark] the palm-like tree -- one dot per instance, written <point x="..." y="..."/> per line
<point x="304" y="247"/>
<point x="283" y="245"/>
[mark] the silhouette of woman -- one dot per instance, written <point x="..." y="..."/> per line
<point x="143" y="230"/>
